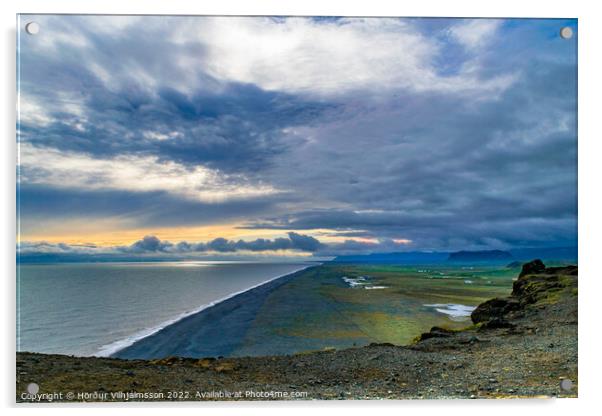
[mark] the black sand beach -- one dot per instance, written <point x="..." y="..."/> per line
<point x="217" y="330"/>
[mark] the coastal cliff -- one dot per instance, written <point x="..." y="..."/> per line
<point x="520" y="346"/>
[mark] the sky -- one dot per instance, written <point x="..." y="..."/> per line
<point x="276" y="136"/>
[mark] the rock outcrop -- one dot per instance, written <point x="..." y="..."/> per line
<point x="536" y="283"/>
<point x="533" y="267"/>
<point x="494" y="309"/>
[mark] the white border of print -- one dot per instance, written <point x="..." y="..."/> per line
<point x="590" y="33"/>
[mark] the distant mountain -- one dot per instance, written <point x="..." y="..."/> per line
<point x="480" y="256"/>
<point x="413" y="257"/>
<point x="549" y="253"/>
<point x="495" y="256"/>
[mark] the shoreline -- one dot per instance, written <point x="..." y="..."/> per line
<point x="201" y="319"/>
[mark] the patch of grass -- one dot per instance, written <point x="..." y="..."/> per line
<point x="319" y="309"/>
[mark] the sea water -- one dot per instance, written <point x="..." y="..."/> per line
<point x="95" y="309"/>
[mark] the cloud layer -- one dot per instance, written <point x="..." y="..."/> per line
<point x="359" y="133"/>
<point x="150" y="244"/>
<point x="294" y="241"/>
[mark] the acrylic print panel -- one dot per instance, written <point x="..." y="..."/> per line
<point x="253" y="208"/>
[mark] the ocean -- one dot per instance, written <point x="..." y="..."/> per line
<point x="97" y="309"/>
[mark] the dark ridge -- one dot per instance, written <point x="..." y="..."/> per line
<point x="411" y="257"/>
<point x="485" y="255"/>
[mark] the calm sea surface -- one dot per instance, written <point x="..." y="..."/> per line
<point x="96" y="309"/>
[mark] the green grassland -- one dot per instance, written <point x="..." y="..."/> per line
<point x="320" y="310"/>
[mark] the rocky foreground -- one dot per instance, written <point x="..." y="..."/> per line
<point x="521" y="346"/>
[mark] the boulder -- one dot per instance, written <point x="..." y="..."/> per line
<point x="533" y="267"/>
<point x="493" y="308"/>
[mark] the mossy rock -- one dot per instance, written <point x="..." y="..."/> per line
<point x="435" y="332"/>
<point x="495" y="308"/>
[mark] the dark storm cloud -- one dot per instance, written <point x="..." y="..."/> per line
<point x="237" y="129"/>
<point x="223" y="125"/>
<point x="450" y="174"/>
<point x="149" y="243"/>
<point x="140" y="209"/>
<point x="293" y="242"/>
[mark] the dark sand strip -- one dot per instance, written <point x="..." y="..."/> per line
<point x="215" y="331"/>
